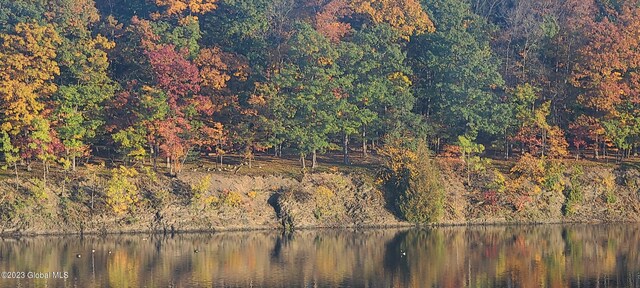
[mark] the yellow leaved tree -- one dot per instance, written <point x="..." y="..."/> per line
<point x="177" y="7"/>
<point x="405" y="15"/>
<point x="27" y="68"/>
<point x="122" y="192"/>
<point x="27" y="71"/>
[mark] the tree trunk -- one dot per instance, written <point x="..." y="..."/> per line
<point x="364" y="142"/>
<point x="180" y="164"/>
<point x="544" y="142"/>
<point x="506" y="145"/>
<point x="155" y="157"/>
<point x="44" y="173"/>
<point x="506" y="150"/>
<point x="73" y="163"/>
<point x="304" y="165"/>
<point x="15" y="168"/>
<point x="314" y="162"/>
<point x="345" y="149"/>
<point x="168" y="163"/>
<point x="468" y="173"/>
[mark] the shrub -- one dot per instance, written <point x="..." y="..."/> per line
<point x="610" y="197"/>
<point x="201" y="191"/>
<point x="232" y="199"/>
<point x="542" y="175"/>
<point x="490" y="198"/>
<point x="631" y="182"/>
<point x="9" y="210"/>
<point x="39" y="191"/>
<point x="498" y="183"/>
<point x="324" y="197"/>
<point x="530" y="167"/>
<point x="573" y="194"/>
<point x="202" y="187"/>
<point x="573" y="198"/>
<point x="210" y="200"/>
<point x="553" y="177"/>
<point x="324" y="194"/>
<point x="414" y="177"/>
<point x="520" y="202"/>
<point x="150" y="174"/>
<point x="608" y="183"/>
<point x="122" y="192"/>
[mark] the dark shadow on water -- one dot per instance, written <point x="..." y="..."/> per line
<point x="395" y="258"/>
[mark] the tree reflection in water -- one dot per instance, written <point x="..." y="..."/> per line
<point x="493" y="256"/>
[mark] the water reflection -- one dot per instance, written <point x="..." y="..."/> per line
<point x="532" y="256"/>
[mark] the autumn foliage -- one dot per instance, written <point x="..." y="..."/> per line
<point x="411" y="173"/>
<point x="166" y="82"/>
<point x="122" y="193"/>
<point x="408" y="16"/>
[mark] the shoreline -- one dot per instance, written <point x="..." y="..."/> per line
<point x="200" y="202"/>
<point x="471" y="224"/>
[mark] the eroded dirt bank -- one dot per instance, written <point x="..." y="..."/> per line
<point x="195" y="202"/>
<point x="203" y="201"/>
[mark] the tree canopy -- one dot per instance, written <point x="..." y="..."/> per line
<point x="170" y="80"/>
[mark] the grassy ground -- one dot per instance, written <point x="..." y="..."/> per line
<point x="290" y="166"/>
<point x="262" y="165"/>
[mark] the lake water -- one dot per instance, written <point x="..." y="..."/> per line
<point x="506" y="256"/>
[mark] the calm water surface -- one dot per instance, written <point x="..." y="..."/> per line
<point x="532" y="256"/>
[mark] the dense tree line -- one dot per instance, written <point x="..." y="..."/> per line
<point x="164" y="80"/>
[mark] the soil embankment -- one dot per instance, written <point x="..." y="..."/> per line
<point x="207" y="201"/>
<point x="194" y="202"/>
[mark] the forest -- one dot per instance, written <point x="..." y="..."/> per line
<point x="167" y="81"/>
